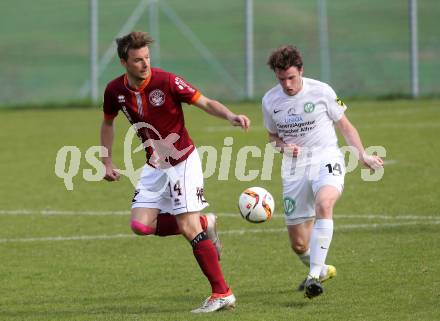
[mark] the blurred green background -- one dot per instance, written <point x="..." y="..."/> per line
<point x="44" y="45"/>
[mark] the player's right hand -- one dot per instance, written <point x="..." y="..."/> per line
<point x="372" y="161"/>
<point x="291" y="150"/>
<point x="240" y="120"/>
<point x="111" y="173"/>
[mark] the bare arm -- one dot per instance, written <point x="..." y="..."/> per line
<point x="107" y="136"/>
<point x="217" y="109"/>
<point x="352" y="138"/>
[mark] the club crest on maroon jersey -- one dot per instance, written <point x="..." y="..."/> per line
<point x="156" y="97"/>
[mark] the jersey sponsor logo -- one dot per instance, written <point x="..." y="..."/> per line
<point x="181" y="84"/>
<point x="340" y="102"/>
<point x="289" y="205"/>
<point x="292" y="111"/>
<point x="309" y="107"/>
<point x="121" y="99"/>
<point x="275" y="111"/>
<point x="294" y="119"/>
<point x="156" y="97"/>
<point x="127" y="114"/>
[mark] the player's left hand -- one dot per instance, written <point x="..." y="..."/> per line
<point x="240" y="120"/>
<point x="372" y="161"/>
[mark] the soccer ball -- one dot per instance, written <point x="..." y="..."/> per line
<point x="256" y="205"/>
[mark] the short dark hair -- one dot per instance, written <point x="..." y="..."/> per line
<point x="285" y="57"/>
<point x="134" y="40"/>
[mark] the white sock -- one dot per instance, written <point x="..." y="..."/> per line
<point x="324" y="271"/>
<point x="305" y="257"/>
<point x="319" y="244"/>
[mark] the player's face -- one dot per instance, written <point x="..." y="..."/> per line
<point x="138" y="63"/>
<point x="290" y="79"/>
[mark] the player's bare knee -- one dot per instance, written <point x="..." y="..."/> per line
<point x="299" y="247"/>
<point x="141" y="229"/>
<point x="324" y="208"/>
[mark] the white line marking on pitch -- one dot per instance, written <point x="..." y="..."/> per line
<point x="233" y="215"/>
<point x="57" y="212"/>
<point x="230" y="232"/>
<point x="67" y="238"/>
<point x="390" y="162"/>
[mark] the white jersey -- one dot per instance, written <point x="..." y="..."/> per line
<point x="305" y="119"/>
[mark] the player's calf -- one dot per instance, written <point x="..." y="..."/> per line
<point x="211" y="231"/>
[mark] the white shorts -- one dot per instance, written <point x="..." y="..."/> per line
<point x="299" y="190"/>
<point x="174" y="190"/>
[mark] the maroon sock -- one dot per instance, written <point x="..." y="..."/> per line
<point x="206" y="256"/>
<point x="167" y="225"/>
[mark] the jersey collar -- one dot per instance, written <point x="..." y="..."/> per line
<point x="143" y="85"/>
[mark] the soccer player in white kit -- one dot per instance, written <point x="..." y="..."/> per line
<point x="300" y="115"/>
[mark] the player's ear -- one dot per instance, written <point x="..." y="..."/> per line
<point x="301" y="71"/>
<point x="123" y="62"/>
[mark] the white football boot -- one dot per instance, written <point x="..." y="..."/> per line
<point x="217" y="302"/>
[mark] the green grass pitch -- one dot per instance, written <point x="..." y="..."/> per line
<point x="69" y="255"/>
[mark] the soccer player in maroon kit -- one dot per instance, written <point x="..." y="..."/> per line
<point x="169" y="196"/>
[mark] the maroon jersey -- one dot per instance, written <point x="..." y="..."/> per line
<point x="156" y="111"/>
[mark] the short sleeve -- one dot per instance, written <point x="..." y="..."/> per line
<point x="335" y="106"/>
<point x="110" y="107"/>
<point x="183" y="90"/>
<point x="267" y="117"/>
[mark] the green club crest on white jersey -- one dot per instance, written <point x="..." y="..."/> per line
<point x="309" y="107"/>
